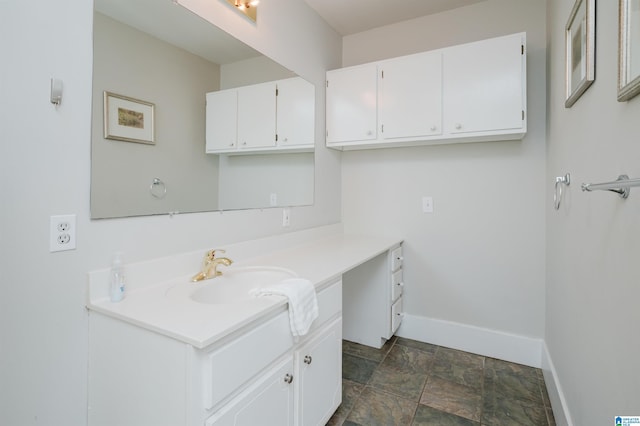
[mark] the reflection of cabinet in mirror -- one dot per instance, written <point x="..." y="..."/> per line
<point x="268" y="117"/>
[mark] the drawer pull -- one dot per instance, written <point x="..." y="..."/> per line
<point x="307" y="359"/>
<point x="400" y="284"/>
<point x="288" y="378"/>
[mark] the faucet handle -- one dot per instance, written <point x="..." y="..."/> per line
<point x="211" y="254"/>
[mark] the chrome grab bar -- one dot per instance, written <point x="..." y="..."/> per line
<point x="621" y="186"/>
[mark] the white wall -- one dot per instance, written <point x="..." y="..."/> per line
<point x="593" y="244"/>
<point x="44" y="170"/>
<point x="478" y="260"/>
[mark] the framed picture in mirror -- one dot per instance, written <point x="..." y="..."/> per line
<point x="628" y="49"/>
<point x="580" y="50"/>
<point x="127" y="119"/>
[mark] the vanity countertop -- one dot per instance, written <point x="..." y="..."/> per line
<point x="320" y="259"/>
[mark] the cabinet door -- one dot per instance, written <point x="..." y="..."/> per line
<point x="257" y="116"/>
<point x="352" y="104"/>
<point x="268" y="401"/>
<point x="295" y="123"/>
<point x="319" y="364"/>
<point x="410" y="96"/>
<point x="483" y="85"/>
<point x="221" y="120"/>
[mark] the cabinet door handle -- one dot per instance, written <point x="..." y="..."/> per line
<point x="458" y="126"/>
<point x="288" y="378"/>
<point x="400" y="284"/>
<point x="307" y="359"/>
<point x="433" y="128"/>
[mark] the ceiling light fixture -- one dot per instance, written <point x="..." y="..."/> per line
<point x="246" y="7"/>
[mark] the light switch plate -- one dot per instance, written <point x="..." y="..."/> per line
<point x="427" y="204"/>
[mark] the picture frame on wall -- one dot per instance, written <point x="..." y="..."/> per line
<point x="127" y="119"/>
<point x="580" y="50"/>
<point x="628" y="49"/>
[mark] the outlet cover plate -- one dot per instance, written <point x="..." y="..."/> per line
<point x="62" y="232"/>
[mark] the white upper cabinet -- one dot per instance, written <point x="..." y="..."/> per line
<point x="261" y="118"/>
<point x="467" y="93"/>
<point x="222" y="120"/>
<point x="295" y="125"/>
<point x="410" y="96"/>
<point x="352" y="104"/>
<point x="257" y="116"/>
<point x="483" y="86"/>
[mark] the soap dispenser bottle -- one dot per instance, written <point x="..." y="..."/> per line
<point x="116" y="285"/>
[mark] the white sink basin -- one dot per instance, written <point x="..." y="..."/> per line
<point x="235" y="284"/>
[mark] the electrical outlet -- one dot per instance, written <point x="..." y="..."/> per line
<point x="62" y="232"/>
<point x="286" y="217"/>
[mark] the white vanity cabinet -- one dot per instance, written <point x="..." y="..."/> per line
<point x="303" y="389"/>
<point x="261" y="118"/>
<point x="268" y="401"/>
<point x="352" y="104"/>
<point x="467" y="93"/>
<point x="319" y="377"/>
<point x="259" y="375"/>
<point x="372" y="294"/>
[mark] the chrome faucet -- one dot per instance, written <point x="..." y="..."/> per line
<point x="210" y="265"/>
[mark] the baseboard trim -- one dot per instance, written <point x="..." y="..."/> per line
<point x="556" y="396"/>
<point x="482" y="341"/>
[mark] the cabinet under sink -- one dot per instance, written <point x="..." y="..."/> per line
<point x="137" y="377"/>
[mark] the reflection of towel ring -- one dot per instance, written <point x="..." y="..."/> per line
<point x="557" y="193"/>
<point x="157" y="188"/>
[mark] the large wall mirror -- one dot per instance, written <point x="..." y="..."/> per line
<point x="161" y="54"/>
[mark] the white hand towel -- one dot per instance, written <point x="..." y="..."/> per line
<point x="303" y="305"/>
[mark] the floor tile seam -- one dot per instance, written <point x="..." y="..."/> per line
<point x="416" y="348"/>
<point x="375" y="389"/>
<point x="451" y="414"/>
<point x="379" y="387"/>
<point x="360" y="355"/>
<point x="480" y="392"/>
<point x="404" y="369"/>
<point x="386" y="392"/>
<point x="521" y="398"/>
<point x="455" y="414"/>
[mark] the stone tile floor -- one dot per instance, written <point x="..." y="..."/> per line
<point x="414" y="384"/>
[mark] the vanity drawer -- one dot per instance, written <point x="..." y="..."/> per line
<point x="329" y="304"/>
<point x="396" y="259"/>
<point x="235" y="363"/>
<point x="396" y="315"/>
<point x="397" y="284"/>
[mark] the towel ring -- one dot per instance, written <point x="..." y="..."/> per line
<point x="157" y="188"/>
<point x="557" y="193"/>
